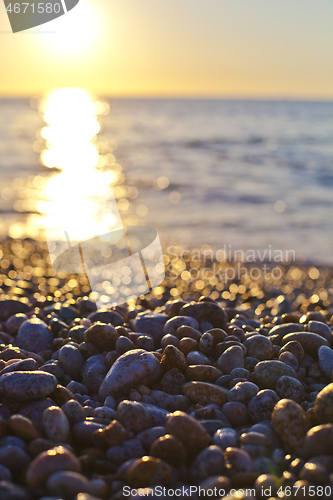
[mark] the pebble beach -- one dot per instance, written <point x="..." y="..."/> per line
<point x="197" y="390"/>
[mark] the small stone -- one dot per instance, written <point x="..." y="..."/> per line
<point x="290" y="388"/>
<point x="203" y="373"/>
<point x="320" y="328"/>
<point x="133" y="416"/>
<point x="8" y="491"/>
<point x="112" y="435"/>
<point x="206" y="311"/>
<point x="145" y="342"/>
<point x="130" y="370"/>
<point x="259" y="347"/>
<point x="197" y="358"/>
<point x="22" y="427"/>
<point x="309" y="341"/>
<point x="323" y="407"/>
<point x="83" y="431"/>
<point x="23" y="365"/>
<point x="94" y="371"/>
<point x="149" y="436"/>
<point x="233" y="357"/>
<point x="68" y="484"/>
<point x="289" y="359"/>
<point x="173" y="358"/>
<point x="319" y="441"/>
<point x="169" y="340"/>
<point x="188" y="332"/>
<point x="124" y="344"/>
<point x="108" y="317"/>
<point x="173" y="382"/>
<point x="169" y="449"/>
<point x="243" y="392"/>
<point x="55" y="425"/>
<point x="206" y="344"/>
<point x="325" y="358"/>
<point x="267" y="373"/>
<point x="48" y="462"/>
<point x="289" y="422"/>
<point x="73" y="411"/>
<point x="188" y="431"/>
<point x="240" y="460"/>
<point x="14" y="322"/>
<point x="205" y="393"/>
<point x="14" y="458"/>
<point x="9" y="307"/>
<point x="152" y="324"/>
<point x="34" y="336"/>
<point x="186" y="345"/>
<point x="147" y="471"/>
<point x="71" y="360"/>
<point x="295" y="348"/>
<point x="260" y="407"/>
<point x="209" y="462"/>
<point x="225" y="438"/>
<point x="5" y="474"/>
<point x="158" y="415"/>
<point x="266" y="482"/>
<point x="172" y="325"/>
<point x="236" y="413"/>
<point x="104" y="336"/>
<point x="24" y="386"/>
<point x="34" y="409"/>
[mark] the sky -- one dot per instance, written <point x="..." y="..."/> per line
<point x="231" y="48"/>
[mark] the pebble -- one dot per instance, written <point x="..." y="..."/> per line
<point x="55" y="425"/>
<point x="172" y="325"/>
<point x="188" y="431"/>
<point x="173" y="382"/>
<point x="295" y="348"/>
<point x="290" y="388"/>
<point x="108" y="317"/>
<point x="151" y="324"/>
<point x="259" y="347"/>
<point x="148" y="470"/>
<point x="323" y="407"/>
<point x="325" y="359"/>
<point x="34" y="409"/>
<point x="225" y="438"/>
<point x="236" y="413"/>
<point x="71" y="360"/>
<point x="203" y="373"/>
<point x="158" y="415"/>
<point x="197" y="358"/>
<point x="206" y="311"/>
<point x="68" y="484"/>
<point x="8" y="491"/>
<point x="104" y="336"/>
<point x="149" y="436"/>
<point x="205" y="393"/>
<point x="14" y="322"/>
<point x="169" y="449"/>
<point x="173" y="358"/>
<point x="267" y="373"/>
<point x="290" y="423"/>
<point x="73" y="411"/>
<point x="10" y="307"/>
<point x="243" y="392"/>
<point x="233" y="357"/>
<point x="93" y="372"/>
<point x="309" y="341"/>
<point x="209" y="462"/>
<point x="112" y="435"/>
<point x="14" y="458"/>
<point x="133" y="416"/>
<point x="133" y="368"/>
<point x="238" y="459"/>
<point x="260" y="407"/>
<point x="320" y="328"/>
<point x="34" y="336"/>
<point x="49" y="462"/>
<point x="5" y="474"/>
<point x="24" y="386"/>
<point x="206" y="343"/>
<point x="186" y="345"/>
<point x="22" y="427"/>
<point x="319" y="441"/>
<point x="23" y="365"/>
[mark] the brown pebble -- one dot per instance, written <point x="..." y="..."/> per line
<point x="290" y="423"/>
<point x="169" y="449"/>
<point x="148" y="471"/>
<point x="189" y="431"/>
<point x="23" y="427"/>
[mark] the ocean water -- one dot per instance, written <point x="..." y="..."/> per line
<point x="245" y="174"/>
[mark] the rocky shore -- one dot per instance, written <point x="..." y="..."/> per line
<point x="223" y="388"/>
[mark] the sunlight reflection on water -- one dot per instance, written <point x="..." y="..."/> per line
<point x="77" y="201"/>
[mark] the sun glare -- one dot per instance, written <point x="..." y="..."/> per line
<point x="78" y="203"/>
<point x="76" y="31"/>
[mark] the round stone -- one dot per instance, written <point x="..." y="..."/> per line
<point x="259" y="347"/>
<point x="325" y="359"/>
<point x="34" y="336"/>
<point x="261" y="405"/>
<point x="188" y="431"/>
<point x="289" y="422"/>
<point x="267" y="373"/>
<point x="24" y="386"/>
<point x="233" y="357"/>
<point x="323" y="407"/>
<point x="290" y="388"/>
<point x="55" y="425"/>
<point x="71" y="360"/>
<point x="205" y="393"/>
<point x="133" y="416"/>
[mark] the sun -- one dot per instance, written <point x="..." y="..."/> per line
<point x="75" y="32"/>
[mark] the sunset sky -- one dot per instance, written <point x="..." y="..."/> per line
<point x="248" y="48"/>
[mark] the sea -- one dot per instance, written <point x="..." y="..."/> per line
<point x="205" y="173"/>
